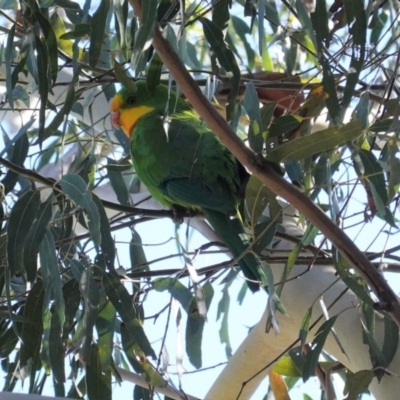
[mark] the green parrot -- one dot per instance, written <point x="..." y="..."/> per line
<point x="182" y="163"/>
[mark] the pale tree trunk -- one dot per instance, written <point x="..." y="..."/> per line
<point x="260" y="348"/>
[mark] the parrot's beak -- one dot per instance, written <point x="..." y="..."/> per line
<point x="115" y="104"/>
<point x="115" y="119"/>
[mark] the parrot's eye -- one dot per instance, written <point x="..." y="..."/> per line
<point x="131" y="100"/>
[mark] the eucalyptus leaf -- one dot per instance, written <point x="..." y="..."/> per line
<point x="75" y="188"/>
<point x="97" y="30"/>
<point x="195" y="326"/>
<point x="317" y="142"/>
<point x="127" y="311"/>
<point x="91" y="294"/>
<point x="313" y="354"/>
<point x="123" y="77"/>
<point x="98" y="383"/>
<point x="140" y="364"/>
<point x="105" y="326"/>
<point x="226" y="58"/>
<point x="176" y="289"/>
<point x="21" y="219"/>
<point x="145" y="32"/>
<point x="31" y="334"/>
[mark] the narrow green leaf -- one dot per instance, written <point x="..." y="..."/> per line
<point x="305" y="326"/>
<point x="154" y="72"/>
<point x="137" y="256"/>
<point x="31" y="334"/>
<point x="122" y="302"/>
<point x="67" y="46"/>
<point x="375" y="353"/>
<point x="105" y="326"/>
<point x="382" y="126"/>
<point x="378" y="23"/>
<point x="56" y="350"/>
<point x="317" y="142"/>
<point x="20" y="93"/>
<point x="394" y="167"/>
<point x="362" y="109"/>
<point x="226" y="58"/>
<point x="140" y="393"/>
<point x="257" y="197"/>
<point x="391" y="340"/>
<point x="357" y="383"/>
<point x="117" y="181"/>
<point x="34" y="238"/>
<point x="195" y="326"/>
<point x="264" y="233"/>
<point x="9" y="58"/>
<point x="75" y="188"/>
<point x="45" y="350"/>
<point x="305" y="21"/>
<point x="72" y="299"/>
<point x="374" y="173"/>
<point x="98" y="383"/>
<point x="17" y="156"/>
<point x="308" y="238"/>
<point x="357" y="21"/>
<point x="107" y="242"/>
<point x="329" y="84"/>
<point x="367" y="167"/>
<point x="223" y="309"/>
<point x="251" y="103"/>
<point x="392" y="106"/>
<point x="8" y="341"/>
<point x="51" y="44"/>
<point x="51" y="275"/>
<point x="119" y="297"/>
<point x="221" y="14"/>
<point x="21" y="218"/>
<point x="122" y="76"/>
<point x="286" y="366"/>
<point x="77" y="269"/>
<point x="176" y="289"/>
<point x="97" y="31"/>
<point x="43" y="84"/>
<point x="91" y="295"/>
<point x="242" y="30"/>
<point x="261" y="32"/>
<point x="343" y="269"/>
<point x="283" y="124"/>
<point x="80" y="30"/>
<point x="145" y="32"/>
<point x="137" y="359"/>
<point x="121" y="19"/>
<point x="70" y="99"/>
<point x="316" y="348"/>
<point x="167" y="10"/>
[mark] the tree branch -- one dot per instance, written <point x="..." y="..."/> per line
<point x="167" y="391"/>
<point x="388" y="301"/>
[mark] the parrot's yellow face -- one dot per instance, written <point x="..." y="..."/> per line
<point x="126" y="111"/>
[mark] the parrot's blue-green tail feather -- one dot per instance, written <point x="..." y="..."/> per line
<point x="230" y="231"/>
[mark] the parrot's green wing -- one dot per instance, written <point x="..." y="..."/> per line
<point x="186" y="163"/>
<point x="193" y="169"/>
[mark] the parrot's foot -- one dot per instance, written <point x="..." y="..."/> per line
<point x="179" y="213"/>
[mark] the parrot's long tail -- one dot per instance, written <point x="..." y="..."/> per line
<point x="230" y="231"/>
